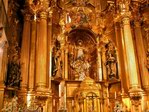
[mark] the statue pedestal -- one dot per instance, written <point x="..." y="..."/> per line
<point x="62" y="110"/>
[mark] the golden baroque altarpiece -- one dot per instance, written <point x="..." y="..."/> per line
<point x="75" y="56"/>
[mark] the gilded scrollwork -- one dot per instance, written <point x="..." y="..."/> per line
<point x="38" y="7"/>
<point x="78" y="16"/>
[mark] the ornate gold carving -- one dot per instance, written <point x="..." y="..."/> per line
<point x="36" y="6"/>
<point x="87" y="97"/>
<point x="123" y="12"/>
<point x="136" y="100"/>
<point x="126" y="21"/>
<point x="78" y="17"/>
<point x="135" y="9"/>
<point x="13" y="77"/>
<point x="148" y="59"/>
<point x="43" y="15"/>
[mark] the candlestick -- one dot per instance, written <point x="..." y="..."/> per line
<point x="54" y="102"/>
<point x="72" y="103"/>
<point x="115" y="95"/>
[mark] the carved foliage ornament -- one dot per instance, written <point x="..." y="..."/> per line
<point x="13" y="74"/>
<point x="148" y="59"/>
<point x="77" y="17"/>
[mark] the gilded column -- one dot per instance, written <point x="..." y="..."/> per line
<point x="66" y="60"/>
<point x="121" y="57"/>
<point x="1" y="80"/>
<point x="135" y="89"/>
<point x="3" y="58"/>
<point x="31" y="78"/>
<point x="129" y="48"/>
<point x="25" y="51"/>
<point x="99" y="67"/>
<point x="130" y="54"/>
<point x="142" y="58"/>
<point x="99" y="62"/>
<point x="98" y="106"/>
<point x="3" y="49"/>
<point x="41" y="53"/>
<point x="103" y="63"/>
<point x="50" y="46"/>
<point x="62" y="97"/>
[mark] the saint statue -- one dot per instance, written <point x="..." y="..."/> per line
<point x="80" y="64"/>
<point x="57" y="62"/>
<point x="80" y="50"/>
<point x="111" y="61"/>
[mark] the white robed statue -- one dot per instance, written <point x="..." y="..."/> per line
<point x="80" y="64"/>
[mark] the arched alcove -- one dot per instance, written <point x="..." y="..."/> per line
<point x="82" y="53"/>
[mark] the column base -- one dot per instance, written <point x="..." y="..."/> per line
<point x="40" y="91"/>
<point x="135" y="89"/>
<point x="41" y="88"/>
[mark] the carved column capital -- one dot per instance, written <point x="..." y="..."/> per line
<point x="38" y="6"/>
<point x="126" y="21"/>
<point x="43" y="15"/>
<point x="123" y="12"/>
<point x="137" y="23"/>
<point x="27" y="17"/>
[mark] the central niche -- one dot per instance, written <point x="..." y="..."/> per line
<point x="81" y="54"/>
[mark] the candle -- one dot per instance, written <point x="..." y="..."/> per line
<point x="53" y="102"/>
<point x="72" y="103"/>
<point x="115" y="95"/>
